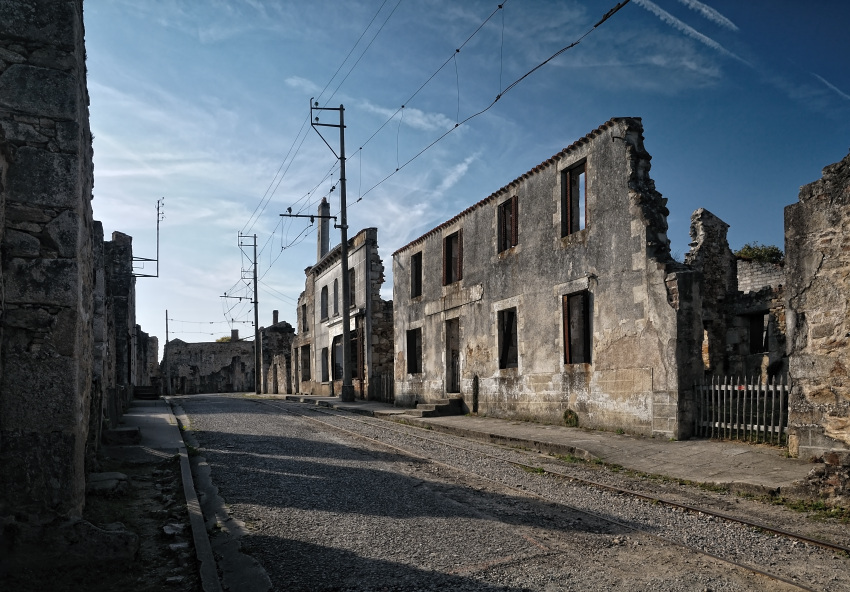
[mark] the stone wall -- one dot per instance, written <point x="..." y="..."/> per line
<point x="817" y="265"/>
<point x="755" y="275"/>
<point x="641" y="323"/>
<point x="711" y="256"/>
<point x="276" y="356"/>
<point x="121" y="292"/>
<point x="147" y="359"/>
<point x="209" y="367"/>
<point x="46" y="346"/>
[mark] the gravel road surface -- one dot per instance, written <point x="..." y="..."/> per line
<point x="327" y="510"/>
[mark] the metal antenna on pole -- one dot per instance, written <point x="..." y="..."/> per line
<point x="160" y="215"/>
<point x="347" y="393"/>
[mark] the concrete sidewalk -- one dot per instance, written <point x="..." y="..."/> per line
<point x="738" y="466"/>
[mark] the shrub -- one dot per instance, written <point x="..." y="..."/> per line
<point x="761" y="253"/>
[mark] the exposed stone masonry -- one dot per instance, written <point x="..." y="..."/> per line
<point x="817" y="245"/>
<point x="46" y="349"/>
<point x="755" y="275"/>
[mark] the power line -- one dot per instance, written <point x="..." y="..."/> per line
<point x="510" y="87"/>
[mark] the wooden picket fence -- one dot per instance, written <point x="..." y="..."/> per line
<point x="740" y="409"/>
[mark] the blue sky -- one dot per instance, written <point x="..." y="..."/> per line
<point x="206" y="104"/>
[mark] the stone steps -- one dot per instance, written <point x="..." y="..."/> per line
<point x="440" y="407"/>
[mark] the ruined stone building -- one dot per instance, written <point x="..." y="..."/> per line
<point x="556" y="297"/>
<point x="68" y="354"/>
<point x="276" y="348"/>
<point x="47" y="260"/>
<point x="209" y="366"/>
<point x="317" y="348"/>
<point x="817" y="293"/>
<point x="741" y="305"/>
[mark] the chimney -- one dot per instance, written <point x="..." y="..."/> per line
<point x="234" y="335"/>
<point x="274" y="317"/>
<point x="324" y="230"/>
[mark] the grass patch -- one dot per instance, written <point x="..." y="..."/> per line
<point x="819" y="509"/>
<point x="535" y="470"/>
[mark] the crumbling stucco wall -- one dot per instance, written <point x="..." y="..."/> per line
<point x="643" y="306"/>
<point x="210" y="367"/>
<point x="817" y="267"/>
<point x="47" y="260"/>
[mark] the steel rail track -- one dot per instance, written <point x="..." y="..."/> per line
<point x="539" y="469"/>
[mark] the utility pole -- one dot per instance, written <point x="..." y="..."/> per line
<point x="165" y="358"/>
<point x="347" y="393"/>
<point x="258" y="369"/>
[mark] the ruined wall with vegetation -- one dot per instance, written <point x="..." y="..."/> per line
<point x="47" y="291"/>
<point x="817" y="252"/>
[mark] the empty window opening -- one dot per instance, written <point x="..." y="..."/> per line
<point x="337" y="357"/>
<point x="336" y="297"/>
<point x="573" y="199"/>
<point x="325" y="367"/>
<point x="416" y="275"/>
<point x="356" y="356"/>
<point x="508" y="353"/>
<point x="352" y="288"/>
<point x="414" y="351"/>
<point x="305" y="362"/>
<point x="706" y="345"/>
<point x="305" y="326"/>
<point x="453" y="258"/>
<point x="759" y="333"/>
<point x="577" y="335"/>
<point x="507" y="224"/>
<point x="323" y="304"/>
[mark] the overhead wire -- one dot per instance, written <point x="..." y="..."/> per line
<point x="507" y="89"/>
<point x="290" y="156"/>
<point x="301" y="236"/>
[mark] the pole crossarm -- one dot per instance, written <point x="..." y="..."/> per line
<point x="160" y="216"/>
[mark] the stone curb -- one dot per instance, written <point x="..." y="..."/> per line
<point x="203" y="549"/>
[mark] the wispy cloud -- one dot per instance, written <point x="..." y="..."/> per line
<point x="412" y="117"/>
<point x="299" y="83"/>
<point x="711" y="14"/>
<point x="682" y="27"/>
<point x="832" y="87"/>
<point x="455" y="173"/>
